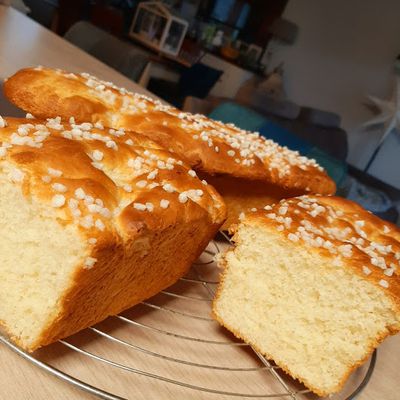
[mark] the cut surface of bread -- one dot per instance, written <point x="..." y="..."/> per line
<point x="209" y="146"/>
<point x="306" y="292"/>
<point x="37" y="255"/>
<point x="93" y="221"/>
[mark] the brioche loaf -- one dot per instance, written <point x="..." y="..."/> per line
<point x="221" y="153"/>
<point x="313" y="284"/>
<point x="93" y="221"/>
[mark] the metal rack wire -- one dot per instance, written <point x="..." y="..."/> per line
<point x="203" y="275"/>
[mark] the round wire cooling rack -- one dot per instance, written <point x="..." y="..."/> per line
<point x="169" y="346"/>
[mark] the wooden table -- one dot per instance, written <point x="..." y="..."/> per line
<point x="25" y="43"/>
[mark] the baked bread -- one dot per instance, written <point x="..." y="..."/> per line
<point x="227" y="156"/>
<point x="313" y="284"/>
<point x="93" y="221"/>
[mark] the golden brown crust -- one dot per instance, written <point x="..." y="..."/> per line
<point x="143" y="213"/>
<point x="208" y="146"/>
<point x="128" y="273"/>
<point x="340" y="222"/>
<point x="105" y="167"/>
<point x="243" y="195"/>
<point x="343" y="231"/>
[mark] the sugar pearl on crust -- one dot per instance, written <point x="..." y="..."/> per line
<point x="164" y="203"/>
<point x="388" y="271"/>
<point x="384" y="283"/>
<point x="97" y="155"/>
<point x="168" y="188"/>
<point x="342" y="234"/>
<point x="112" y="145"/>
<point x="293" y="237"/>
<point x="87" y="221"/>
<point x="139" y="206"/>
<point x="283" y="210"/>
<point x="366" y="270"/>
<point x="59" y="187"/>
<point x="76" y="212"/>
<point x="89" y="262"/>
<point x="93" y="208"/>
<point x="73" y="203"/>
<point x="3" y="122"/>
<point x="141" y="184"/>
<point x="99" y="225"/>
<point x="152" y="174"/>
<point x="153" y="185"/>
<point x="58" y="200"/>
<point x="183" y="198"/>
<point x="80" y="194"/>
<point x="54" y="172"/>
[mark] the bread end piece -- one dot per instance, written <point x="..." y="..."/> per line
<point x="83" y="240"/>
<point x="294" y="304"/>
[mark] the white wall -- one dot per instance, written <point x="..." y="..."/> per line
<point x="344" y="50"/>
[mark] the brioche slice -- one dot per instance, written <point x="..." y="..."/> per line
<point x="312" y="283"/>
<point x="92" y="221"/>
<point x="220" y="152"/>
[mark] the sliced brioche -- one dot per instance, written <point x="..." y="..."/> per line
<point x="212" y="148"/>
<point x="313" y="284"/>
<point x="93" y="221"/>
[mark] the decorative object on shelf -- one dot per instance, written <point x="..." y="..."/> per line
<point x="218" y="39"/>
<point x="158" y="27"/>
<point x="249" y="54"/>
<point x="273" y="84"/>
<point x="253" y="54"/>
<point x="388" y="117"/>
<point x="207" y="34"/>
<point x="229" y="52"/>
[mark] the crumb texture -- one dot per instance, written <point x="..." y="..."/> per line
<point x="36" y="265"/>
<point x="91" y="220"/>
<point x="316" y="318"/>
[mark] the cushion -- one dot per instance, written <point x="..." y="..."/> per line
<point x="241" y="116"/>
